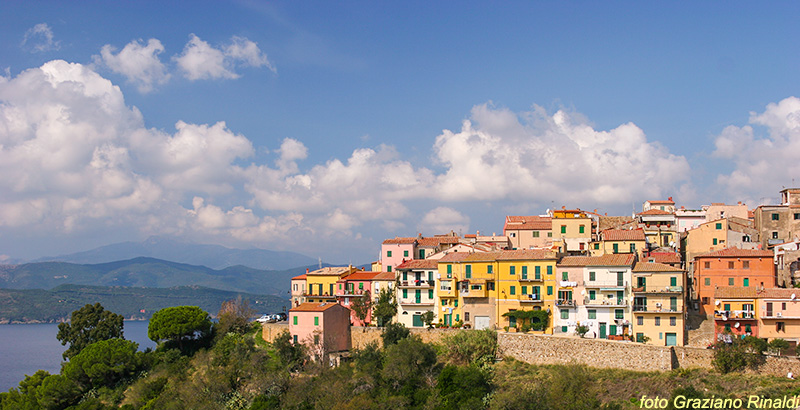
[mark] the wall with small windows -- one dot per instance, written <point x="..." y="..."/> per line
<point x="718" y="270"/>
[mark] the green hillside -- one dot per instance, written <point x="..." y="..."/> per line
<point x="146" y="272"/>
<point x="36" y="305"/>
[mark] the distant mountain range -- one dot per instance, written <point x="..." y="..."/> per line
<point x="37" y="305"/>
<point x="150" y="273"/>
<point x="212" y="256"/>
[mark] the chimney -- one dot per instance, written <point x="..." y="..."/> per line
<point x="306" y="270"/>
<point x="670" y="198"/>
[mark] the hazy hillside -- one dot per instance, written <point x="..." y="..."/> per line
<point x="147" y="272"/>
<point x="213" y="256"/>
<point x="56" y="305"/>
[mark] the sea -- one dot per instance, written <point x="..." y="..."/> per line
<point x="24" y="349"/>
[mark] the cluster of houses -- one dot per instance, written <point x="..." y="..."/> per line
<point x="577" y="272"/>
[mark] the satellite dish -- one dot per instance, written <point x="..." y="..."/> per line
<point x="724" y="318"/>
<point x="736" y="325"/>
<point x="794" y="296"/>
<point x="716" y="303"/>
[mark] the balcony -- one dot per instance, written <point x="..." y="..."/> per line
<point x="351" y="293"/>
<point x="530" y="278"/>
<point x="661" y="289"/>
<point x="656" y="309"/>
<point x="565" y="302"/>
<point x="734" y="314"/>
<point x="611" y="302"/>
<point x="322" y="296"/>
<point x="608" y="284"/>
<point x="416" y="302"/>
<point x="532" y="298"/>
<point x="416" y="283"/>
<point x="567" y="284"/>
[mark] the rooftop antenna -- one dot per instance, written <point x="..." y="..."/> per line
<point x="320" y="262"/>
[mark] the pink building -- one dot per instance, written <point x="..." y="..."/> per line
<point x="323" y="327"/>
<point x="354" y="286"/>
<point x="298" y="290"/>
<point x="396" y="251"/>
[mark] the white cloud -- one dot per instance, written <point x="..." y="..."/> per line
<point x="39" y="38"/>
<point x="442" y="220"/>
<point x="762" y="163"/>
<point x="200" y="61"/>
<point x="138" y="62"/>
<point x="501" y="155"/>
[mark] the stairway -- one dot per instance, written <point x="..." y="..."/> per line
<point x="701" y="330"/>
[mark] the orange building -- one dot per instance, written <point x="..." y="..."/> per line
<point x="731" y="268"/>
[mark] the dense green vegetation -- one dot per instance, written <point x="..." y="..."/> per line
<point x="56" y="305"/>
<point x="233" y="371"/>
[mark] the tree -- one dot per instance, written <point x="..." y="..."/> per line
<point x="386" y="307"/>
<point x="477" y="347"/>
<point x="393" y="333"/>
<point x="581" y="330"/>
<point x="89" y="324"/>
<point x="104" y="363"/>
<point x="427" y="318"/>
<point x="179" y="323"/>
<point x="776" y="346"/>
<point x="361" y="306"/>
<point x="234" y="316"/>
<point x="291" y="354"/>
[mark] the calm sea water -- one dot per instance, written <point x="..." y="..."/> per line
<point x="24" y="349"/>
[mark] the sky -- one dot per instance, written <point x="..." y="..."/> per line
<point x="326" y="127"/>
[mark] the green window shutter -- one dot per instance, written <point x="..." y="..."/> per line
<point x="592" y="276"/>
<point x="673" y="281"/>
<point x="730" y="281"/>
<point x="592" y="294"/>
<point x="592" y="314"/>
<point x="513" y="290"/>
<point x="633" y="248"/>
<point x="524" y="290"/>
<point x="549" y="269"/>
<point x="563" y="228"/>
<point x="746" y="282"/>
<point x="449" y="269"/>
<point x="537" y="272"/>
<point x="468" y="271"/>
<point x="294" y="320"/>
<point x="549" y="290"/>
<point x="536" y="233"/>
<point x="430" y="293"/>
<point x="488" y="268"/>
<point x="726" y="307"/>
<point x="719" y="225"/>
<point x="524" y="272"/>
<point x="565" y="314"/>
<point x="616" y="248"/>
<point x="618" y="313"/>
<point x="707" y="281"/>
<point x="405" y="293"/>
<point x="405" y="275"/>
<point x="512" y="270"/>
<point x="581" y="229"/>
<point x="714" y="241"/>
<point x="389" y="268"/>
<point x="316" y="320"/>
<point x="455" y="303"/>
<point x="564" y="276"/>
<point x="405" y="254"/>
<point x="597" y="246"/>
<point x="388" y="254"/>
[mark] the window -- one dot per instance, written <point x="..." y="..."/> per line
<point x="719" y="225"/>
<point x="592" y="294"/>
<point x="565" y="314"/>
<point x="592" y="276"/>
<point x="513" y="234"/>
<point x="405" y="254"/>
<point x="294" y="320"/>
<point x="707" y="265"/>
<point x="640" y="320"/>
<point x="389" y="268"/>
<point x="633" y="248"/>
<point x="730" y="281"/>
<point x="618" y="313"/>
<point x="748" y="328"/>
<point x="405" y="293"/>
<point x="524" y="272"/>
<point x="746" y="282"/>
<point x="592" y="313"/>
<point x="727" y="327"/>
<point x="512" y="270"/>
<point x="658" y="321"/>
<point x="537" y="270"/>
<point x="731" y="265"/>
<point x="550" y="270"/>
<point x="726" y="307"/>
<point x="449" y="271"/>
<point x="466" y="316"/>
<point x="779" y="326"/>
<point x="775" y="235"/>
<point x="468" y="271"/>
<point x="673" y="281"/>
<point x="597" y="246"/>
<point x="524" y="290"/>
<point x="581" y="229"/>
<point x="616" y="248"/>
<point x="673" y="321"/>
<point x="550" y="234"/>
<point x="563" y="228"/>
<point x="430" y="293"/>
<point x="707" y="281"/>
<point x="489" y="285"/>
<point x="455" y="303"/>
<point x="535" y="234"/>
<point x="796" y="216"/>
<point x="549" y="290"/>
<point x="488" y="268"/>
<point x="405" y="275"/>
<point x="564" y="329"/>
<point x="316" y="320"/>
<point x="513" y="290"/>
<point x="564" y="276"/>
<point x="745" y="264"/>
<point x="388" y="254"/>
<point x="714" y="241"/>
<point x="705" y="300"/>
<point x="294" y="339"/>
<point x="775" y="217"/>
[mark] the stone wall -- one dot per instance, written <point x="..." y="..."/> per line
<point x="547" y="349"/>
<point x="360" y="336"/>
<point x="270" y="330"/>
<point x="686" y="357"/>
<point x="778" y="366"/>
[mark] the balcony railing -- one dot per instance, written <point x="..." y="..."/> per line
<point x="734" y="314"/>
<point x="655" y="309"/>
<point x="322" y="296"/>
<point x="605" y="302"/>
<point x="530" y="278"/>
<point x="416" y="283"/>
<point x="533" y="297"/>
<point x="605" y="284"/>
<point x="660" y="289"/>
<point x="420" y="302"/>
<point x="565" y="302"/>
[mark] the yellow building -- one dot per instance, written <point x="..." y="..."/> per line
<point x="526" y="280"/>
<point x="448" y="304"/>
<point x="620" y="241"/>
<point x="572" y="230"/>
<point x="321" y="283"/>
<point x="658" y="304"/>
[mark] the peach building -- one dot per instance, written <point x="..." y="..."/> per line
<point x="528" y="232"/>
<point x="323" y="327"/>
<point x="396" y="251"/>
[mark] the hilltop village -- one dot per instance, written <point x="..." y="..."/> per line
<point x="667" y="276"/>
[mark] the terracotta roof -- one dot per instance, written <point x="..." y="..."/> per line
<point x="778" y="293"/>
<point x="454" y="257"/>
<point x="360" y="276"/>
<point x="654" y="212"/>
<point x="482" y="257"/>
<point x="654" y="267"/>
<point x="330" y="271"/>
<point x="525" y="254"/>
<point x="623" y="235"/>
<point x="437" y="240"/>
<point x="399" y="241"/>
<point x="301" y="277"/>
<point x="737" y="253"/>
<point x="603" y="260"/>
<point x="384" y="276"/>
<point x="314" y="307"/>
<point x="613" y="222"/>
<point x="662" y="201"/>
<point x="665" y="257"/>
<point x="735" y="292"/>
<point x="418" y="264"/>
<point x="532" y="223"/>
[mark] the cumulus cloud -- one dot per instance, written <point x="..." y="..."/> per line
<point x="498" y="154"/>
<point x="138" y="62"/>
<point x="201" y="61"/>
<point x="759" y="158"/>
<point x="39" y="38"/>
<point x="443" y="220"/>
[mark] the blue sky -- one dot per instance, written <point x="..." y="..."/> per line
<point x="325" y="127"/>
